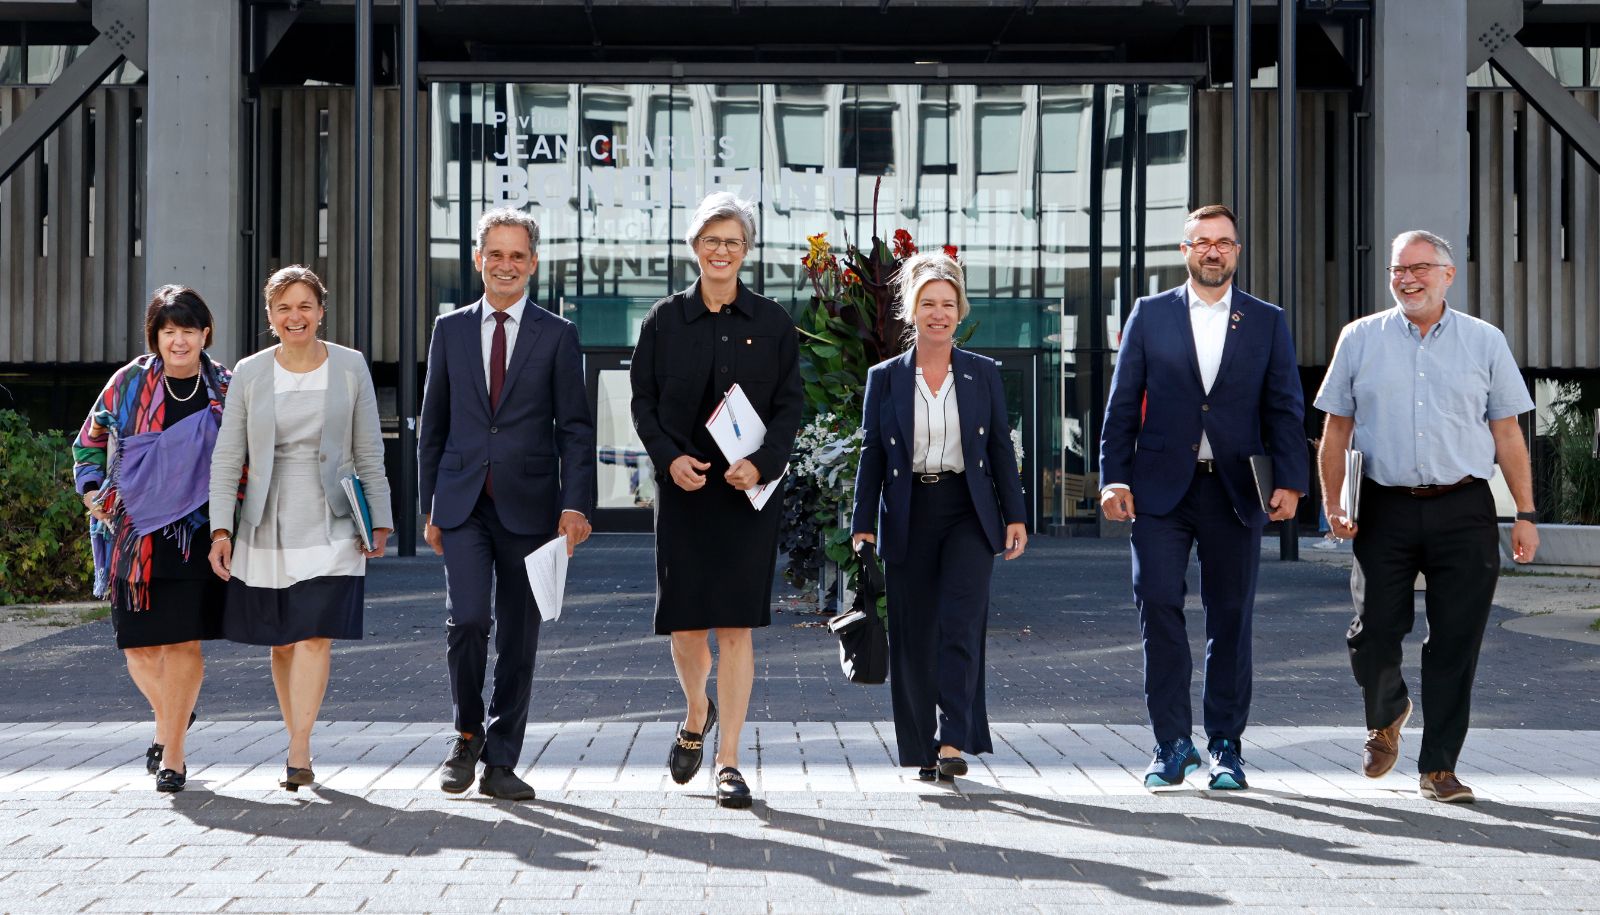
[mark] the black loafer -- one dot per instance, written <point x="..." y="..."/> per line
<point x="295" y="779"/>
<point x="731" y="788"/>
<point x="169" y="781"/>
<point x="152" y="756"/>
<point x="500" y="782"/>
<point x="688" y="749"/>
<point x="927" y="774"/>
<point x="951" y="766"/>
<point x="462" y="764"/>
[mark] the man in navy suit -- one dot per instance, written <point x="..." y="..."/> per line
<point x="506" y="459"/>
<point x="1206" y="378"/>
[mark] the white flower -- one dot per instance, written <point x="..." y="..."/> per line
<point x="1016" y="445"/>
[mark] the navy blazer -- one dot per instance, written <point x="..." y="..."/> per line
<point x="884" y="477"/>
<point x="540" y="441"/>
<point x="1159" y="406"/>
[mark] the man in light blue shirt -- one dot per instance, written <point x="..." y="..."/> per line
<point x="1430" y="397"/>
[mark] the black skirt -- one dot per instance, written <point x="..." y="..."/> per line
<point x="180" y="610"/>
<point x="327" y="607"/>
<point x="714" y="556"/>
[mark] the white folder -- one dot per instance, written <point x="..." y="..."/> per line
<point x="738" y="431"/>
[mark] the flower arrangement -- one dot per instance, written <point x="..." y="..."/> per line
<point x="850" y="327"/>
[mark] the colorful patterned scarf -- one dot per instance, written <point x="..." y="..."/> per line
<point x="133" y="403"/>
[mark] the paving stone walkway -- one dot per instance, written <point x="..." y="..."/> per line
<point x="1055" y="820"/>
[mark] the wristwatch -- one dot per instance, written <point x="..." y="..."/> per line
<point x="1530" y="517"/>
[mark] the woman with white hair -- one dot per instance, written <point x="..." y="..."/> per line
<point x="937" y="490"/>
<point x="714" y="551"/>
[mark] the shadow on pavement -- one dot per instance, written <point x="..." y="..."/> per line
<point x="1559" y="833"/>
<point x="1158" y="825"/>
<point x="940" y="854"/>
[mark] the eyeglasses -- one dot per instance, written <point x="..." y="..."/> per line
<point x="1420" y="271"/>
<point x="1222" y="246"/>
<point x="713" y="243"/>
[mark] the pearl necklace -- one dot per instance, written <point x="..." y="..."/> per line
<point x="173" y="394"/>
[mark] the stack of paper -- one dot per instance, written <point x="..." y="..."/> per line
<point x="738" y="432"/>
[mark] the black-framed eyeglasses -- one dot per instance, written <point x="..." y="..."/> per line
<point x="713" y="243"/>
<point x="1420" y="271"/>
<point x="1221" y="245"/>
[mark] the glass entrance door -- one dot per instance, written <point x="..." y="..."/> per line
<point x="624" y="476"/>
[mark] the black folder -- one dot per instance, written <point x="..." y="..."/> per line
<point x="1261" y="472"/>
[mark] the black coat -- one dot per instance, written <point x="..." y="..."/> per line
<point x="682" y="345"/>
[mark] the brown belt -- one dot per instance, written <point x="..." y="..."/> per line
<point x="1433" y="489"/>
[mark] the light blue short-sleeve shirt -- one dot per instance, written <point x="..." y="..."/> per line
<point x="1422" y="406"/>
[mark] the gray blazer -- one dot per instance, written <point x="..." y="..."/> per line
<point x="351" y="440"/>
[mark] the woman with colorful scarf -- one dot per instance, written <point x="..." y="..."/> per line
<point x="142" y="463"/>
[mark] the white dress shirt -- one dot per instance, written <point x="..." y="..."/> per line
<point x="936" y="428"/>
<point x="1210" y="326"/>
<point x="512" y="323"/>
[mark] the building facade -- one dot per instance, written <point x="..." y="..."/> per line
<point x="1056" y="145"/>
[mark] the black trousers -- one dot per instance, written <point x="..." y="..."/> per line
<point x="938" y="619"/>
<point x="1453" y="540"/>
<point x="477" y="554"/>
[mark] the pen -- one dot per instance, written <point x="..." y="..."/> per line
<point x="733" y="418"/>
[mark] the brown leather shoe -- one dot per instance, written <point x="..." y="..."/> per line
<point x="1382" y="750"/>
<point x="1445" y="788"/>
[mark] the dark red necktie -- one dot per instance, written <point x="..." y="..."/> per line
<point x="497" y="360"/>
<point x="497" y="380"/>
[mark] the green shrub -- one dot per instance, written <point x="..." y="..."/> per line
<point x="1575" y="482"/>
<point x="44" y="534"/>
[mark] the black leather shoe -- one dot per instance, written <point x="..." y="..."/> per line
<point x="688" y="750"/>
<point x="169" y="781"/>
<point x="927" y="774"/>
<point x="152" y="756"/>
<point x="295" y="779"/>
<point x="951" y="766"/>
<point x="462" y="763"/>
<point x="731" y="788"/>
<point x="500" y="782"/>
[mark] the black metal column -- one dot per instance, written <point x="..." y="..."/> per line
<point x="1092" y="337"/>
<point x="363" y="254"/>
<point x="406" y="486"/>
<point x="1241" y="129"/>
<point x="1288" y="210"/>
<point x="1127" y="290"/>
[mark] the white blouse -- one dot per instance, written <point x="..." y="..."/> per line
<point x="936" y="428"/>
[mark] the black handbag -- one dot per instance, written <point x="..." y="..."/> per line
<point x="863" y="643"/>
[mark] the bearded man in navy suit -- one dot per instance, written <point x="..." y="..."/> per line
<point x="505" y="456"/>
<point x="1206" y="378"/>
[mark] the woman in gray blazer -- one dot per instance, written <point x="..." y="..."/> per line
<point x="301" y="418"/>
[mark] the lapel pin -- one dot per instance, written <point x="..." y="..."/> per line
<point x="1238" y="317"/>
<point x="966" y="376"/>
<point x="748" y="341"/>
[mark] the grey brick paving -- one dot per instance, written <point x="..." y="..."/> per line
<point x="1054" y="822"/>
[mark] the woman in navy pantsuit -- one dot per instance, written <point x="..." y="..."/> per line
<point x="937" y="490"/>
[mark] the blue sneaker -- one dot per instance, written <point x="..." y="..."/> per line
<point x="1174" y="760"/>
<point x="1227" y="766"/>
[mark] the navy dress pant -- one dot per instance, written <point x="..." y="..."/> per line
<point x="1453" y="539"/>
<point x="478" y="555"/>
<point x="1230" y="554"/>
<point x="938" y="617"/>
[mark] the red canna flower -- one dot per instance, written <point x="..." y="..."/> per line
<point x="950" y="251"/>
<point x="903" y="246"/>
<point x="851" y="278"/>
